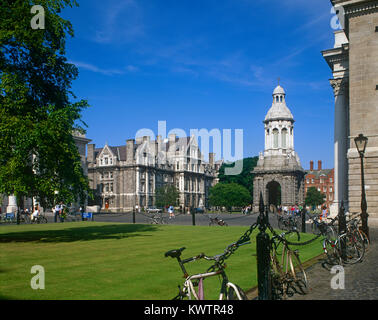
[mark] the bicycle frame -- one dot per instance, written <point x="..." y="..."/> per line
<point x="215" y="270"/>
<point x="191" y="292"/>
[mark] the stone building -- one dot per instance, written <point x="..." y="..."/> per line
<point x="123" y="177"/>
<point x="322" y="180"/>
<point x="278" y="174"/>
<point x="354" y="64"/>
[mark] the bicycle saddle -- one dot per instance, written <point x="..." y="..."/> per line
<point x="174" y="253"/>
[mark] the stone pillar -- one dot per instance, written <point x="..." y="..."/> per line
<point x="12" y="204"/>
<point x="340" y="88"/>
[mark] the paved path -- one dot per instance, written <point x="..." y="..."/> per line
<point x="361" y="279"/>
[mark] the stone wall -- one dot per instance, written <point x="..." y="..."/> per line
<point x="363" y="64"/>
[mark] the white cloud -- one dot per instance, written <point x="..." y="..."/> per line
<point x="107" y="72"/>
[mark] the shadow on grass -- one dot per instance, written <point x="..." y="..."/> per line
<point x="87" y="233"/>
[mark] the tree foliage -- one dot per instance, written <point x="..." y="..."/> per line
<point x="245" y="178"/>
<point x="314" y="197"/>
<point x="166" y="195"/>
<point x="229" y="195"/>
<point x="38" y="154"/>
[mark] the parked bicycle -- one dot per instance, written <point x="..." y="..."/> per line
<point x="354" y="226"/>
<point x="287" y="222"/>
<point x="39" y="219"/>
<point x="228" y="290"/>
<point x="158" y="218"/>
<point x="347" y="248"/>
<point x="288" y="274"/>
<point x="325" y="228"/>
<point x="217" y="221"/>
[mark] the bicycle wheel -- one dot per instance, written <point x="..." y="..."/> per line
<point x="331" y="253"/>
<point x="232" y="295"/>
<point x="354" y="248"/>
<point x="299" y="273"/>
<point x="365" y="239"/>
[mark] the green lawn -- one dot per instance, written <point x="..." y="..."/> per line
<point x="92" y="260"/>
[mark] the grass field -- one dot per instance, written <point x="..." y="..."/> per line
<point x="93" y="260"/>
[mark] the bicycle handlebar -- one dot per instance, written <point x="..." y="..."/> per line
<point x="281" y="236"/>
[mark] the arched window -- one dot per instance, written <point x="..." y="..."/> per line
<point x="275" y="138"/>
<point x="283" y="135"/>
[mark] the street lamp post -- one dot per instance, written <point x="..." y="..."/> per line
<point x="361" y="142"/>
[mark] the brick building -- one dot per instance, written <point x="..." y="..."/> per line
<point x="322" y="180"/>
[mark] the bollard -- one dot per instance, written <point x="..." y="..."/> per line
<point x="303" y="216"/>
<point x="263" y="256"/>
<point x="342" y="228"/>
<point x="193" y="216"/>
<point x="134" y="215"/>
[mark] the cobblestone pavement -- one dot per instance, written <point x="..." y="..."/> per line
<point x="361" y="279"/>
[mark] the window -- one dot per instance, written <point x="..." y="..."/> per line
<point x="308" y="181"/>
<point x="275" y="138"/>
<point x="312" y="180"/>
<point x="330" y="180"/>
<point x="111" y="187"/>
<point x="284" y="135"/>
<point x="106" y="160"/>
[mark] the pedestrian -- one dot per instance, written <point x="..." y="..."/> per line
<point x="35" y="214"/>
<point x="171" y="212"/>
<point x="324" y="213"/>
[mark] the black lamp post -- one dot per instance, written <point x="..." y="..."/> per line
<point x="361" y="142"/>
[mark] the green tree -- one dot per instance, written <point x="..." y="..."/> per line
<point x="166" y="195"/>
<point x="229" y="195"/>
<point x="245" y="178"/>
<point x="38" y="154"/>
<point x="314" y="197"/>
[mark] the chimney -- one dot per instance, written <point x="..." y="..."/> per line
<point x="130" y="151"/>
<point x="90" y="153"/>
<point x="211" y="158"/>
<point x="320" y="165"/>
<point x="311" y="165"/>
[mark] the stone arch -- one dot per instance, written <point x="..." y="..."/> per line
<point x="273" y="191"/>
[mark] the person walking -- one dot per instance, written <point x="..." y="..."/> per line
<point x="171" y="212"/>
<point x="35" y="214"/>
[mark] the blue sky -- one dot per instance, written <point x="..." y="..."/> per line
<point x="204" y="64"/>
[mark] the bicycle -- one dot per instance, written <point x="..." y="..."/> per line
<point x="319" y="226"/>
<point x="288" y="274"/>
<point x="39" y="219"/>
<point x="347" y="248"/>
<point x="217" y="221"/>
<point x="354" y="225"/>
<point x="287" y="222"/>
<point x="157" y="218"/>
<point x="228" y="290"/>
